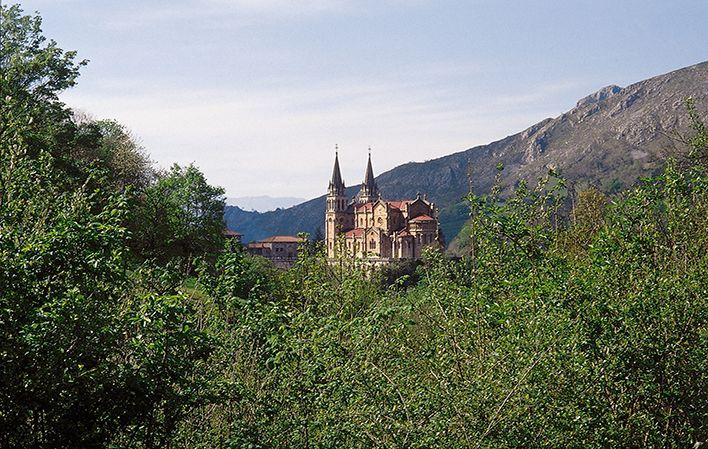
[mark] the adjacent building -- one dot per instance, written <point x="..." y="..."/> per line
<point x="279" y="249"/>
<point x="233" y="236"/>
<point x="375" y="229"/>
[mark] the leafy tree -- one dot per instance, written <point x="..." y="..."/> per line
<point x="34" y="71"/>
<point x="90" y="351"/>
<point x="86" y="354"/>
<point x="107" y="145"/>
<point x="180" y="215"/>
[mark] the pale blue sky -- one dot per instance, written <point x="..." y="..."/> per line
<point x="257" y="92"/>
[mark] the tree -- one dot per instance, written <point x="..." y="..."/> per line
<point x="34" y="71"/>
<point x="92" y="348"/>
<point x="181" y="215"/>
<point x="108" y="145"/>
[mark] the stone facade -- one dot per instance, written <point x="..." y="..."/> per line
<point x="372" y="228"/>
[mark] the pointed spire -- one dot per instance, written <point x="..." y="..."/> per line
<point x="336" y="185"/>
<point x="369" y="176"/>
<point x="369" y="190"/>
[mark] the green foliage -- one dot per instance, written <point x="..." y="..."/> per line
<point x="180" y="215"/>
<point x="614" y="186"/>
<point x="586" y="332"/>
<point x="84" y="354"/>
<point x="107" y="145"/>
<point x="698" y="141"/>
<point x="34" y="70"/>
<point x="91" y="352"/>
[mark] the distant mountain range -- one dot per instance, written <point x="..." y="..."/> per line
<point x="609" y="139"/>
<point x="263" y="203"/>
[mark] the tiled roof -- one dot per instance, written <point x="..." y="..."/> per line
<point x="255" y="245"/>
<point x="404" y="233"/>
<point x="282" y="239"/>
<point x="357" y="232"/>
<point x="366" y="206"/>
<point x="398" y="204"/>
<point x="423" y="218"/>
<point x="230" y="233"/>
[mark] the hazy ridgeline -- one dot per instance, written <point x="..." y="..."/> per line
<point x="575" y="319"/>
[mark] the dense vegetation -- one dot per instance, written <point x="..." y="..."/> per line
<point x="126" y="322"/>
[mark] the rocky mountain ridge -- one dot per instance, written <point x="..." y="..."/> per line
<point x="609" y="139"/>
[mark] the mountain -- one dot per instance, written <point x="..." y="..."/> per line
<point x="609" y="139"/>
<point x="263" y="203"/>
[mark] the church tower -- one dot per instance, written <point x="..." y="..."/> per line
<point x="335" y="215"/>
<point x="369" y="190"/>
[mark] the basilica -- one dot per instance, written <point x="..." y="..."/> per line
<point x="376" y="229"/>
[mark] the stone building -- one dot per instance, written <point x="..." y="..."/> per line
<point x="373" y="228"/>
<point x="279" y="249"/>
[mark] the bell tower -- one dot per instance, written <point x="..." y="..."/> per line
<point x="335" y="215"/>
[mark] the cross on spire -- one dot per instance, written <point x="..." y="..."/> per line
<point x="336" y="185"/>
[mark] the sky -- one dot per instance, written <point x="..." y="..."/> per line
<point x="258" y="92"/>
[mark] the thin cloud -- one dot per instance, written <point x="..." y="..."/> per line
<point x="218" y="13"/>
<point x="237" y="137"/>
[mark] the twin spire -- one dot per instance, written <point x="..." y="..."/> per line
<point x="369" y="175"/>
<point x="336" y="185"/>
<point x="369" y="190"/>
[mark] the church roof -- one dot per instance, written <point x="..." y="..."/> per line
<point x="365" y="206"/>
<point x="357" y="232"/>
<point x="398" y="204"/>
<point x="422" y="218"/>
<point x="282" y="239"/>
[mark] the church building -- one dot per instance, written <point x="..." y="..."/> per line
<point x="373" y="228"/>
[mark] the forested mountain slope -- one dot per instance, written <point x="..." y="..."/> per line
<point x="610" y="139"/>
